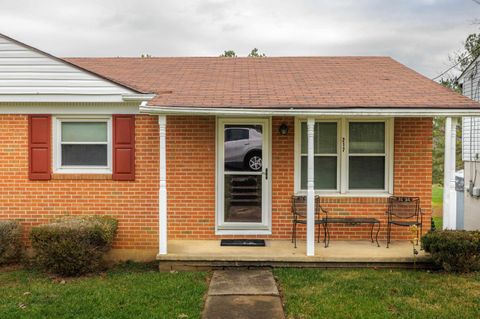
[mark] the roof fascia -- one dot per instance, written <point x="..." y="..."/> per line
<point x="393" y="112"/>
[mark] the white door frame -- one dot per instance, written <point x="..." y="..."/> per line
<point x="264" y="228"/>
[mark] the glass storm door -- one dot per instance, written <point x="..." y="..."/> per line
<point x="243" y="179"/>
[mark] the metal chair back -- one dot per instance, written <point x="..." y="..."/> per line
<point x="299" y="206"/>
<point x="403" y="207"/>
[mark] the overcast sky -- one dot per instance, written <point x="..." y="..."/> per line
<point x="418" y="33"/>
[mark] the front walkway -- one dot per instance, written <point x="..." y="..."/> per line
<point x="282" y="253"/>
<point x="243" y="294"/>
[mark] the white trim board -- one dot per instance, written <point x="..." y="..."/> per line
<point x="265" y="227"/>
<point x="56" y="149"/>
<point x="70" y="108"/>
<point x="65" y="98"/>
<point x="259" y="112"/>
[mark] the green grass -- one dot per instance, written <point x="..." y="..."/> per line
<point x="369" y="293"/>
<point x="437" y="203"/>
<point x="128" y="291"/>
<point x="438" y="220"/>
<point x="437" y="195"/>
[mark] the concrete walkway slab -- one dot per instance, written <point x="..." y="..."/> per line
<point x="243" y="307"/>
<point x="243" y="294"/>
<point x="243" y="282"/>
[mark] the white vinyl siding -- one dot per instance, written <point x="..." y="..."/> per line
<point x="471" y="138"/>
<point x="471" y="125"/>
<point x="24" y="71"/>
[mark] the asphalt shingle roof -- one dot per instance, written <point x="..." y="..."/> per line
<point x="277" y="82"/>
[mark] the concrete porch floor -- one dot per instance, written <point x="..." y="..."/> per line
<point x="281" y="253"/>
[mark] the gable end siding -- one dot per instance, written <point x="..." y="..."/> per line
<point x="471" y="125"/>
<point x="25" y="71"/>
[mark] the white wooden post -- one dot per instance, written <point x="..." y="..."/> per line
<point x="449" y="192"/>
<point x="310" y="189"/>
<point x="162" y="194"/>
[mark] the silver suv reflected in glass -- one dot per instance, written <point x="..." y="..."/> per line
<point x="243" y="148"/>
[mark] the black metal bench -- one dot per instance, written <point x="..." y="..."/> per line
<point x="352" y="221"/>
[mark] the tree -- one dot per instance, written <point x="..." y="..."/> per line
<point x="228" y="54"/>
<point x="471" y="51"/>
<point x="461" y="60"/>
<point x="254" y="54"/>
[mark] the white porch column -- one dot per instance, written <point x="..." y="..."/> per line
<point x="449" y="193"/>
<point x="162" y="194"/>
<point x="310" y="189"/>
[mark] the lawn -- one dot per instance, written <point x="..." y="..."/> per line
<point x="369" y="293"/>
<point x="437" y="195"/>
<point x="128" y="291"/>
<point x="437" y="202"/>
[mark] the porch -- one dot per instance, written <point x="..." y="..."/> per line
<point x="207" y="254"/>
<point x="201" y="208"/>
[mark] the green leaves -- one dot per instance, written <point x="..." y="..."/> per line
<point x="10" y="241"/>
<point x="454" y="250"/>
<point x="73" y="246"/>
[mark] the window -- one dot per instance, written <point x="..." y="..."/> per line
<point x="366" y="155"/>
<point x="235" y="134"/>
<point x="325" y="156"/>
<point x="350" y="156"/>
<point x="83" y="145"/>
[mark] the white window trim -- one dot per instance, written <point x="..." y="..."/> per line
<point x="338" y="154"/>
<point x="57" y="153"/>
<point x="231" y="228"/>
<point x="342" y="171"/>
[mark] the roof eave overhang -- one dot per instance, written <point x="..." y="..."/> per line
<point x="138" y="97"/>
<point x="258" y="111"/>
<point x="73" y="98"/>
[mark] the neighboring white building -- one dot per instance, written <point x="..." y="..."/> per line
<point x="470" y="80"/>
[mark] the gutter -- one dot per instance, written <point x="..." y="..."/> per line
<point x="138" y="97"/>
<point x="393" y="112"/>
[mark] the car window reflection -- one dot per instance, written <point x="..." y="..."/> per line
<point x="243" y="147"/>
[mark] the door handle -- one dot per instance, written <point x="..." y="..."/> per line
<point x="266" y="173"/>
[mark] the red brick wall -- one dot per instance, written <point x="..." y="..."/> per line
<point x="191" y="177"/>
<point x="135" y="204"/>
<point x="192" y="196"/>
<point x="191" y="182"/>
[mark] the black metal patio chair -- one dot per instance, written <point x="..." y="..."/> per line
<point x="404" y="211"/>
<point x="299" y="216"/>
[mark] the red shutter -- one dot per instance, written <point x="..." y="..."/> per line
<point x="39" y="147"/>
<point x="124" y="147"/>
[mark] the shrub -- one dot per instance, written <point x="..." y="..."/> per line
<point x="73" y="246"/>
<point x="10" y="241"/>
<point x="454" y="250"/>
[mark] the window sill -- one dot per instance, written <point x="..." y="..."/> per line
<point x="79" y="176"/>
<point x="347" y="195"/>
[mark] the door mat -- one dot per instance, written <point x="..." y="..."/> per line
<point x="243" y="242"/>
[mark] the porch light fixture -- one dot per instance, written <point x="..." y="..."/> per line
<point x="283" y="129"/>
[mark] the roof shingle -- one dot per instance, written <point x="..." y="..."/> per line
<point x="277" y="82"/>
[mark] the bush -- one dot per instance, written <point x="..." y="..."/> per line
<point x="72" y="247"/>
<point x="454" y="250"/>
<point x="10" y="241"/>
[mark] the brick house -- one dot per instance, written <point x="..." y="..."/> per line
<point x="167" y="145"/>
